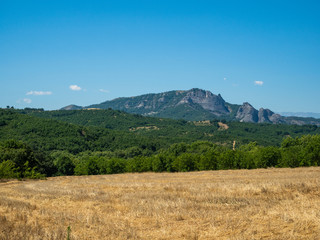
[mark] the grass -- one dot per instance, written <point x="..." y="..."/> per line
<point x="233" y="204"/>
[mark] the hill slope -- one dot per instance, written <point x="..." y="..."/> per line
<point x="168" y="131"/>
<point x="48" y="134"/>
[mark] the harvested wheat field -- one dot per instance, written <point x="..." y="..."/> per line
<point x="234" y="204"/>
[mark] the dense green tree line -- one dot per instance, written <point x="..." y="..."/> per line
<point x="19" y="160"/>
<point x="202" y="155"/>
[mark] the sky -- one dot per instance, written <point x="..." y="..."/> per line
<point x="54" y="53"/>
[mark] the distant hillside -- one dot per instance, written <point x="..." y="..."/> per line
<point x="194" y="105"/>
<point x="168" y="131"/>
<point x="72" y="107"/>
<point x="45" y="134"/>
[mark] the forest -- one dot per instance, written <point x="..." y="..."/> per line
<point x="38" y="144"/>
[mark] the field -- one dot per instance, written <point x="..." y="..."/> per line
<point x="233" y="204"/>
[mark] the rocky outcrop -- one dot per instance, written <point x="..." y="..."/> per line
<point x="277" y="118"/>
<point x="247" y="113"/>
<point x="206" y="100"/>
<point x="264" y="115"/>
<point x="267" y="116"/>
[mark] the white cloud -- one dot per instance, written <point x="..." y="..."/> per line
<point x="75" y="87"/>
<point x="259" y="83"/>
<point x="27" y="100"/>
<point x="225" y="78"/>
<point x="39" y="93"/>
<point x="104" y="91"/>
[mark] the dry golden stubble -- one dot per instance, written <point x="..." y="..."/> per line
<point x="232" y="204"/>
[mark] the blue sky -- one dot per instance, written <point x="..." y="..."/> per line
<point x="55" y="53"/>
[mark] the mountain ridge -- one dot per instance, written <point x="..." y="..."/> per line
<point x="194" y="105"/>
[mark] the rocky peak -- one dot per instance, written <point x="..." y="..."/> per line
<point x="264" y="115"/>
<point x="247" y="113"/>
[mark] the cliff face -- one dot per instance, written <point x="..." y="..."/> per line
<point x="264" y="115"/>
<point x="206" y="100"/>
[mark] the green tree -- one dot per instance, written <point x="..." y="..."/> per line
<point x="159" y="163"/>
<point x="230" y="159"/>
<point x="311" y="150"/>
<point x="64" y="164"/>
<point x="7" y="169"/>
<point x="268" y="157"/>
<point x="115" y="165"/>
<point x="208" y="160"/>
<point x="185" y="162"/>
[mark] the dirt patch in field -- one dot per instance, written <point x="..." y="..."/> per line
<point x="202" y="123"/>
<point x="144" y="128"/>
<point x="223" y="126"/>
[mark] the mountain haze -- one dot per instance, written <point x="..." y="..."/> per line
<point x="301" y="114"/>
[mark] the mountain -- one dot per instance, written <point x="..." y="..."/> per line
<point x="194" y="105"/>
<point x="72" y="107"/>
